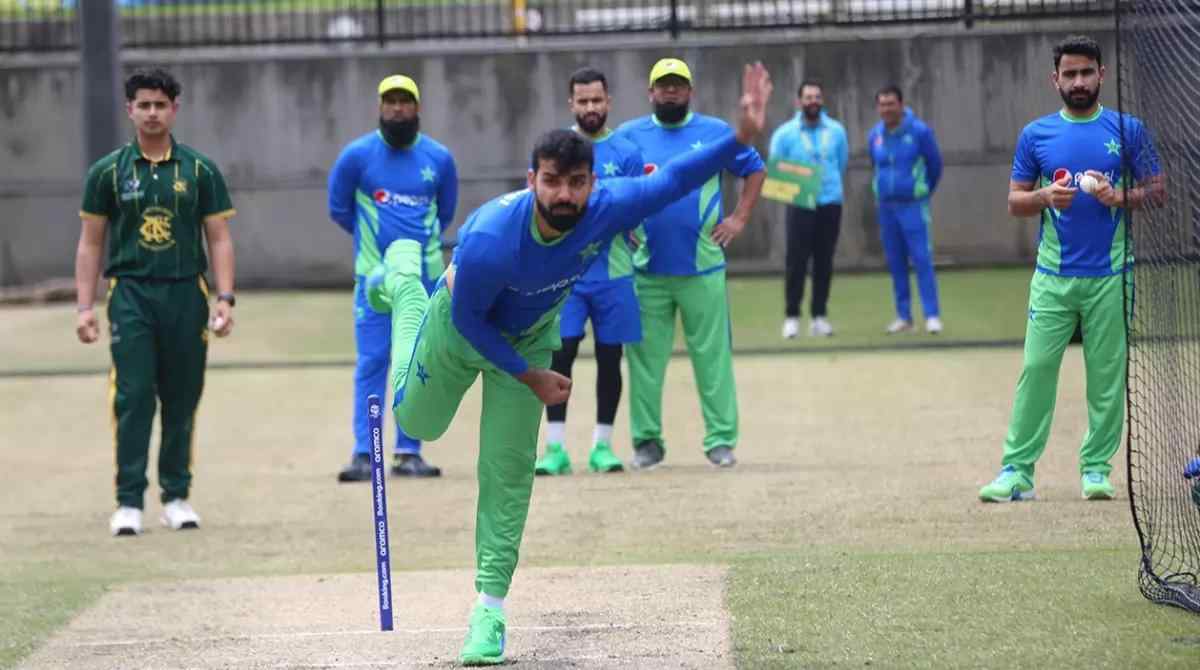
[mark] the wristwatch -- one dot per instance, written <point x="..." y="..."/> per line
<point x="227" y="297"/>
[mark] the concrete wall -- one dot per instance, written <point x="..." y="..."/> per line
<point x="275" y="119"/>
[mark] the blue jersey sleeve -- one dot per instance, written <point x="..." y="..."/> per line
<point x="843" y="150"/>
<point x="747" y="162"/>
<point x="479" y="278"/>
<point x="871" y="135"/>
<point x="637" y="198"/>
<point x="343" y="180"/>
<point x="1145" y="156"/>
<point x="447" y="197"/>
<point x="1025" y="167"/>
<point x="933" y="158"/>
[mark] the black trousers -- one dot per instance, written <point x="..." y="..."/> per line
<point x="810" y="234"/>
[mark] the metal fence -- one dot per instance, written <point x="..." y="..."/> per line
<point x="51" y="25"/>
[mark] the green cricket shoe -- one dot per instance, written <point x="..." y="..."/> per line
<point x="602" y="459"/>
<point x="401" y="262"/>
<point x="1009" y="485"/>
<point x="554" y="462"/>
<point x="1097" y="487"/>
<point x="485" y="637"/>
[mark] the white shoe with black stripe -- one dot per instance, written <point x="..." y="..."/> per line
<point x="179" y="515"/>
<point x="126" y="521"/>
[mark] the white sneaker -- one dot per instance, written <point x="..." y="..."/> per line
<point x="933" y="325"/>
<point x="820" y="327"/>
<point x="178" y="515"/>
<point x="126" y="521"/>
<point x="791" y="327"/>
<point x="899" y="326"/>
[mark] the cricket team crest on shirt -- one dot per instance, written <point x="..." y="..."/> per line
<point x="180" y="186"/>
<point x="156" y="229"/>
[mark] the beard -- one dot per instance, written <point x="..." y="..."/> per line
<point x="812" y="112"/>
<point x="670" y="112"/>
<point x="1079" y="100"/>
<point x="400" y="133"/>
<point x="591" y="123"/>
<point x="561" y="220"/>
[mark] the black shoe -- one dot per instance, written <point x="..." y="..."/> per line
<point x="359" y="469"/>
<point x="721" y="457"/>
<point x="647" y="455"/>
<point x="412" y="465"/>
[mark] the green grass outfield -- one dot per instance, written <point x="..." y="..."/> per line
<point x="850" y="525"/>
<point x="279" y="327"/>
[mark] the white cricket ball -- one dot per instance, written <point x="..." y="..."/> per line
<point x="1089" y="184"/>
<point x="217" y="323"/>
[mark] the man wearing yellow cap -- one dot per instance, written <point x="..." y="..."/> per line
<point x="681" y="266"/>
<point x="391" y="184"/>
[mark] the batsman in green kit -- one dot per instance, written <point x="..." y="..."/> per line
<point x="158" y="202"/>
<point x="1070" y="169"/>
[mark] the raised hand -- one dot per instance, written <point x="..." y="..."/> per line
<point x="752" y="112"/>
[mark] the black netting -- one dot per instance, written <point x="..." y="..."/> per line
<point x="1158" y="73"/>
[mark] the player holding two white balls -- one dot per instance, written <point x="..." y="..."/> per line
<point x="1081" y="262"/>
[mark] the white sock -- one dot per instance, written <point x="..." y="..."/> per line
<point x="603" y="433"/>
<point x="555" y="432"/>
<point x="491" y="601"/>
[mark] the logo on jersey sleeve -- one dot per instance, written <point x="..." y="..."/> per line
<point x="590" y="250"/>
<point x="649" y="168"/>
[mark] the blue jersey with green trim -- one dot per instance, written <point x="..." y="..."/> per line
<point x="613" y="157"/>
<point x="510" y="281"/>
<point x="906" y="159"/>
<point x="381" y="194"/>
<point x="678" y="240"/>
<point x="1086" y="239"/>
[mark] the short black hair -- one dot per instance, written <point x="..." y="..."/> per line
<point x="567" y="149"/>
<point x="1077" y="45"/>
<point x="154" y="79"/>
<point x="809" y="83"/>
<point x="586" y="75"/>
<point x="890" y="89"/>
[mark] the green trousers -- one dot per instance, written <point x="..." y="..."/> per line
<point x="433" y="366"/>
<point x="1056" y="305"/>
<point x="159" y="344"/>
<point x="702" y="303"/>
